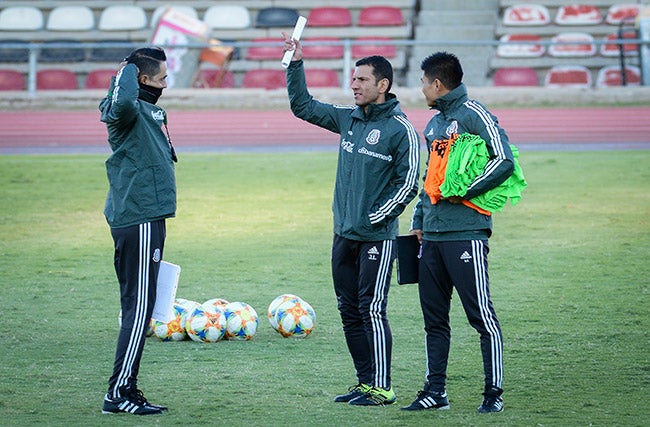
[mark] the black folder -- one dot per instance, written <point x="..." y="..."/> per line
<point x="408" y="259"/>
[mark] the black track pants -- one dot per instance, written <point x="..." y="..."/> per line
<point x="361" y="272"/>
<point x="138" y="251"/>
<point x="462" y="265"/>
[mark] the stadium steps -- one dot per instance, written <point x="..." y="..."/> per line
<point x="441" y="21"/>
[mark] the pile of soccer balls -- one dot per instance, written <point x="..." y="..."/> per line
<point x="217" y="319"/>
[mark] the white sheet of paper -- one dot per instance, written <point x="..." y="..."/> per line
<point x="166" y="291"/>
<point x="297" y="33"/>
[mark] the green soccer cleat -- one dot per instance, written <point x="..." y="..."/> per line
<point x="353" y="392"/>
<point x="376" y="396"/>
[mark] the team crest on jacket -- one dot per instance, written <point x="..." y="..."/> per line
<point x="158" y="115"/>
<point x="452" y="128"/>
<point x="373" y="136"/>
<point x="156" y="255"/>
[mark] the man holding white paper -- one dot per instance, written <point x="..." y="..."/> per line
<point x="377" y="175"/>
<point x="141" y="195"/>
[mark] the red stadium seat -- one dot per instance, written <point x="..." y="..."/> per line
<point x="578" y="14"/>
<point x="322" y="51"/>
<point x="611" y="76"/>
<point x="99" y="79"/>
<point x="568" y="76"/>
<point x="583" y="46"/>
<point x="11" y="80"/>
<point x="316" y="77"/>
<point x="264" y="79"/>
<point x="516" y="76"/>
<point x="326" y="16"/>
<point x="509" y="48"/>
<point x="215" y="78"/>
<point x="378" y="16"/>
<point x="526" y="15"/>
<point x="621" y="12"/>
<point x="387" y="50"/>
<point x="265" y="51"/>
<point x="629" y="49"/>
<point x="56" y="79"/>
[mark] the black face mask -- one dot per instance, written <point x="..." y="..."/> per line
<point x="149" y="94"/>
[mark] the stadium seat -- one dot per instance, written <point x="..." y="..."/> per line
<point x="267" y="51"/>
<point x="183" y="9"/>
<point x="320" y="51"/>
<point x="509" y="48"/>
<point x="227" y="17"/>
<point x="326" y="16"/>
<point x="618" y="13"/>
<point x="526" y="15"/>
<point x="214" y="78"/>
<point x="56" y="79"/>
<point x="122" y="18"/>
<point x="264" y="79"/>
<point x="21" y="18"/>
<point x="515" y="76"/>
<point x="378" y="16"/>
<point x="362" y="50"/>
<point x="11" y="80"/>
<point x="611" y="76"/>
<point x="109" y="53"/>
<point x="276" y="17"/>
<point x="568" y="76"/>
<point x="629" y="49"/>
<point x="317" y="77"/>
<point x="19" y="53"/>
<point x="68" y="51"/>
<point x="582" y="45"/>
<point x="99" y="79"/>
<point x="71" y="18"/>
<point x="578" y="14"/>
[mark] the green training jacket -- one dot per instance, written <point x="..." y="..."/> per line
<point x="378" y="162"/>
<point x="458" y="114"/>
<point x="142" y="185"/>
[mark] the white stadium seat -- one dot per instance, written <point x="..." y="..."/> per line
<point x="21" y="18"/>
<point x="122" y="18"/>
<point x="71" y="18"/>
<point x="227" y="17"/>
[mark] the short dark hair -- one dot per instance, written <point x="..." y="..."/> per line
<point x="445" y="67"/>
<point x="381" y="68"/>
<point x="147" y="59"/>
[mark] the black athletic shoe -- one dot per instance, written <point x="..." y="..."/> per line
<point x="353" y="392"/>
<point x="428" y="400"/>
<point x="492" y="401"/>
<point x="134" y="403"/>
<point x="376" y="396"/>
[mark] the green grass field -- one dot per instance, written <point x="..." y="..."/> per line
<point x="569" y="279"/>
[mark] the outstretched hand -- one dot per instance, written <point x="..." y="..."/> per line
<point x="294" y="45"/>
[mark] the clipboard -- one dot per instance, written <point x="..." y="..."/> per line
<point x="166" y="286"/>
<point x="408" y="259"/>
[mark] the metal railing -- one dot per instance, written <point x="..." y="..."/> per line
<point x="35" y="48"/>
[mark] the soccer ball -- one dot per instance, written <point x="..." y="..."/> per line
<point x="295" y="318"/>
<point x="206" y="324"/>
<point x="219" y="302"/>
<point x="172" y="330"/>
<point x="274" y="306"/>
<point x="188" y="308"/>
<point x="241" y="321"/>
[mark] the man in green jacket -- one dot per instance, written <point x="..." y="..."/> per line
<point x="454" y="234"/>
<point x="377" y="174"/>
<point x="141" y="195"/>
